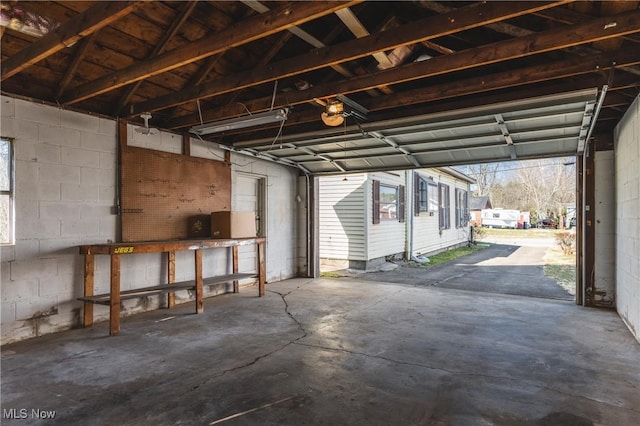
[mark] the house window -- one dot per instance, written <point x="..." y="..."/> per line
<point x="6" y="192"/>
<point x="445" y="206"/>
<point x="426" y="195"/>
<point x="462" y="208"/>
<point x="388" y="202"/>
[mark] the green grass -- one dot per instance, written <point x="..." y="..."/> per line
<point x="449" y="255"/>
<point x="561" y="267"/>
<point x="330" y="274"/>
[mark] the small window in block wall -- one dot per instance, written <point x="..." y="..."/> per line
<point x="7" y="216"/>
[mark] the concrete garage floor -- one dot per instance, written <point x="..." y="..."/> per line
<point x="336" y="352"/>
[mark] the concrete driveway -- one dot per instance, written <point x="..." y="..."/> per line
<point x="500" y="268"/>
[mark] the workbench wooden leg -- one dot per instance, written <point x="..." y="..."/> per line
<point x="87" y="310"/>
<point x="171" y="277"/>
<point x="114" y="305"/>
<point x="234" y="256"/>
<point x="261" y="270"/>
<point x="199" y="296"/>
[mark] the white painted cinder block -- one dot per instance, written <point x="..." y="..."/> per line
<point x="58" y="173"/>
<point x="7" y="253"/>
<point x="59" y="210"/>
<point x="627" y="161"/>
<point x="46" y="153"/>
<point x="81" y="227"/>
<point x="33" y="268"/>
<point x="55" y="285"/>
<point x="32" y="190"/>
<point x="59" y="246"/>
<point x="7" y="107"/>
<point x="97" y="176"/>
<point x="79" y="157"/>
<point x="8" y="312"/>
<point x="79" y="121"/>
<point x="36" y="307"/>
<point x="59" y="135"/>
<point x="27" y="229"/>
<point x="99" y="142"/>
<point x="108" y="126"/>
<point x="74" y="192"/>
<point x="19" y="290"/>
<point x="107" y="161"/>
<point x="27" y="248"/>
<point x="53" y="193"/>
<point x="27" y="209"/>
<point x="37" y="113"/>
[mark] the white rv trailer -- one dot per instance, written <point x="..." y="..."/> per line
<point x="500" y="218"/>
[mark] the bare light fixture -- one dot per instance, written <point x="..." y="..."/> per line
<point x="333" y="115"/>
<point x="146" y="130"/>
<point x="252" y="120"/>
<point x="335" y="111"/>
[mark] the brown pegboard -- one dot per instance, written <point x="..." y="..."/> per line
<point x="161" y="190"/>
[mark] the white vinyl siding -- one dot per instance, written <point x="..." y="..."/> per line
<point x="427" y="237"/>
<point x="341" y="214"/>
<point x="387" y="237"/>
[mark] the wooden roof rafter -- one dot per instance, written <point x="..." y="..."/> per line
<point x="471" y="58"/>
<point x="244" y="32"/>
<point x="81" y="25"/>
<point x="428" y="28"/>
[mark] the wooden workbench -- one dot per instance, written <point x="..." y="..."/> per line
<point x="113" y="298"/>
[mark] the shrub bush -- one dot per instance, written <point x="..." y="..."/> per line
<point x="567" y="242"/>
<point x="478" y="233"/>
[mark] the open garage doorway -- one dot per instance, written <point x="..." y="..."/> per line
<point x="514" y="224"/>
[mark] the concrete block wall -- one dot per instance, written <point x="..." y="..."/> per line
<point x="65" y="193"/>
<point x="605" y="230"/>
<point x="627" y="193"/>
<point x="65" y="187"/>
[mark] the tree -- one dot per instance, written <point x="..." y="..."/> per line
<point x="486" y="176"/>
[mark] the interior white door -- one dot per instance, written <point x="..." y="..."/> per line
<point x="249" y="197"/>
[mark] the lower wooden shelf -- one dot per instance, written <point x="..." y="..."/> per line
<point x="105" y="299"/>
<point x="116" y="250"/>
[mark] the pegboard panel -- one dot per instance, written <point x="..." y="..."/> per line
<point x="161" y="190"/>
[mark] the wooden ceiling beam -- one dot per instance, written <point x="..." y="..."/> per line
<point x="84" y="46"/>
<point x="548" y="73"/>
<point x="183" y="15"/>
<point x="546" y="41"/>
<point x="246" y="31"/>
<point x="476" y="15"/>
<point x="98" y="16"/>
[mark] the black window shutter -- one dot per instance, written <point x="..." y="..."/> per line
<point x="401" y="203"/>
<point x="416" y="194"/>
<point x="376" y="201"/>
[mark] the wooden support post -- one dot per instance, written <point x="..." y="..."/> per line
<point x="199" y="296"/>
<point x="261" y="270"/>
<point x="234" y="256"/>
<point x="88" y="289"/>
<point x="171" y="277"/>
<point x="114" y="305"/>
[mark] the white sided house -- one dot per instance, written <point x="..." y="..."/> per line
<point x="365" y="218"/>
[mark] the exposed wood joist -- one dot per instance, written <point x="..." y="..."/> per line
<point x="496" y="52"/>
<point x="85" y="44"/>
<point x="81" y="25"/>
<point x="248" y="30"/>
<point x="301" y="34"/>
<point x="437" y="26"/>
<point x="184" y="14"/>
